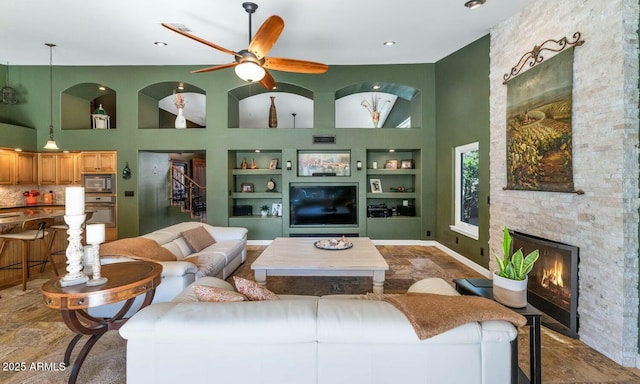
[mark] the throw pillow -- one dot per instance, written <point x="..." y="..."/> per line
<point x="252" y="290"/>
<point x="137" y="247"/>
<point x="198" y="238"/>
<point x="214" y="294"/>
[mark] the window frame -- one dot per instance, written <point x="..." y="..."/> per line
<point x="460" y="226"/>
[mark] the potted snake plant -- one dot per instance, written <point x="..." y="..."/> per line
<point x="511" y="278"/>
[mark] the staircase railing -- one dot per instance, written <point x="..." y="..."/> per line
<point x="190" y="193"/>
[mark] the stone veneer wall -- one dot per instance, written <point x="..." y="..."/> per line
<point x="604" y="221"/>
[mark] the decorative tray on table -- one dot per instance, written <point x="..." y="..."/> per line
<point x="334" y="244"/>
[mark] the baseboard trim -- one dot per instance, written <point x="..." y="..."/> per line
<point x="427" y="243"/>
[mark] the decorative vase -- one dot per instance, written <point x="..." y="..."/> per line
<point x="273" y="115"/>
<point x="264" y="213"/>
<point x="181" y="122"/>
<point x="512" y="293"/>
<point x="375" y="116"/>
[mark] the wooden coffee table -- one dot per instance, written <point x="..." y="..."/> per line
<point x="297" y="256"/>
<point x="126" y="281"/>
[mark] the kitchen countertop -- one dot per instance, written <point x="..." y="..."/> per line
<point x="55" y="204"/>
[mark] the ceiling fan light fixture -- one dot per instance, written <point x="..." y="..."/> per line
<point x="249" y="71"/>
<point x="471" y="4"/>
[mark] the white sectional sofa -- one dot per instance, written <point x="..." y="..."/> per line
<point x="308" y="339"/>
<point x="218" y="260"/>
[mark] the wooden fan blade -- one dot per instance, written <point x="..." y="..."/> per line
<point x="293" y="65"/>
<point x="203" y="41"/>
<point x="266" y="36"/>
<point x="215" y="67"/>
<point x="268" y="81"/>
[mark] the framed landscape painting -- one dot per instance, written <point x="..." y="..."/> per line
<point x="539" y="143"/>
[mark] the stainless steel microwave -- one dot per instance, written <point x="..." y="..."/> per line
<point x="98" y="183"/>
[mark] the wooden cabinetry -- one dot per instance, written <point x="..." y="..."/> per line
<point x="58" y="169"/>
<point x="98" y="162"/>
<point x="18" y="168"/>
<point x="26" y="168"/>
<point x="7" y="169"/>
<point x="67" y="169"/>
<point x="47" y="169"/>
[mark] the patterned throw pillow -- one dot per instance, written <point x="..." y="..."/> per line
<point x="198" y="238"/>
<point x="252" y="290"/>
<point x="213" y="294"/>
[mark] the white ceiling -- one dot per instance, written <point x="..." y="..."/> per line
<point x="122" y="32"/>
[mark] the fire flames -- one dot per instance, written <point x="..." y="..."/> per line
<point x="552" y="276"/>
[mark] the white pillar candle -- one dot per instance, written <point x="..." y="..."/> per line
<point x="74" y="201"/>
<point x="95" y="233"/>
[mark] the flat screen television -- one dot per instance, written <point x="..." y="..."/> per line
<point x="326" y="204"/>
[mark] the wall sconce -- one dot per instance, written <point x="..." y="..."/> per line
<point x="359" y="165"/>
<point x="288" y="165"/>
<point x="126" y="171"/>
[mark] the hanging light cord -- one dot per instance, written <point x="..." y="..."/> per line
<point x="51" y="90"/>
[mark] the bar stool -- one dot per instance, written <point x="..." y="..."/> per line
<point x="32" y="231"/>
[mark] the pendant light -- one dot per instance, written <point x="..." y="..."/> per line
<point x="51" y="143"/>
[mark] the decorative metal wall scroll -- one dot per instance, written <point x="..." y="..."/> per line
<point x="534" y="56"/>
<point x="539" y="113"/>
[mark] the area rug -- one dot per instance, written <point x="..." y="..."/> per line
<point x="33" y="338"/>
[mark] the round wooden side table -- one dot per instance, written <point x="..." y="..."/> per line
<point x="126" y="281"/>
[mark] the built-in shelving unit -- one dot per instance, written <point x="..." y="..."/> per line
<point x="399" y="192"/>
<point x="157" y="107"/>
<point x="249" y="192"/>
<point x="79" y="102"/>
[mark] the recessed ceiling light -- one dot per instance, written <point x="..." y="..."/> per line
<point x="160" y="43"/>
<point x="392" y="150"/>
<point x="376" y="87"/>
<point x="102" y="88"/>
<point x="389" y="43"/>
<point x="471" y="4"/>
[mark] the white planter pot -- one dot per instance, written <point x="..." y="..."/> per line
<point x="264" y="213"/>
<point x="512" y="293"/>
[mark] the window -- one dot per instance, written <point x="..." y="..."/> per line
<point x="466" y="178"/>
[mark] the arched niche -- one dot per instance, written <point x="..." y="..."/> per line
<point x="249" y="106"/>
<point x="79" y="102"/>
<point x="399" y="106"/>
<point x="156" y="107"/>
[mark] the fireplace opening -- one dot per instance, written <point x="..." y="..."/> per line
<point x="553" y="281"/>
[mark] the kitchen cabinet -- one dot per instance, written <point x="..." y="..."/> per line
<point x="98" y="162"/>
<point x="47" y="169"/>
<point x="18" y="168"/>
<point x="67" y="169"/>
<point x="7" y="169"/>
<point x="26" y="168"/>
<point x="58" y="169"/>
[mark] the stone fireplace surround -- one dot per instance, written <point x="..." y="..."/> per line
<point x="603" y="222"/>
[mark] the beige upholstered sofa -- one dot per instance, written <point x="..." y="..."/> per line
<point x="307" y="339"/>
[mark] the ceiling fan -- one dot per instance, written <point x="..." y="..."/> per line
<point x="251" y="64"/>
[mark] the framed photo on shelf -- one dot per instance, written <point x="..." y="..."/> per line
<point x="273" y="164"/>
<point x="276" y="209"/>
<point x="246" y="187"/>
<point x="406" y="164"/>
<point x="391" y="164"/>
<point x="376" y="185"/>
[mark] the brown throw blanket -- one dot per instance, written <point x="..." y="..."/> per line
<point x="432" y="314"/>
<point x="137" y="247"/>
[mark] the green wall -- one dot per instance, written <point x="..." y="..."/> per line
<point x="216" y="139"/>
<point x="462" y="117"/>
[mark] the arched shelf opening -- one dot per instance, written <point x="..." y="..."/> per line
<point x="376" y="104"/>
<point x="249" y="106"/>
<point x="88" y="106"/>
<point x="158" y="105"/>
